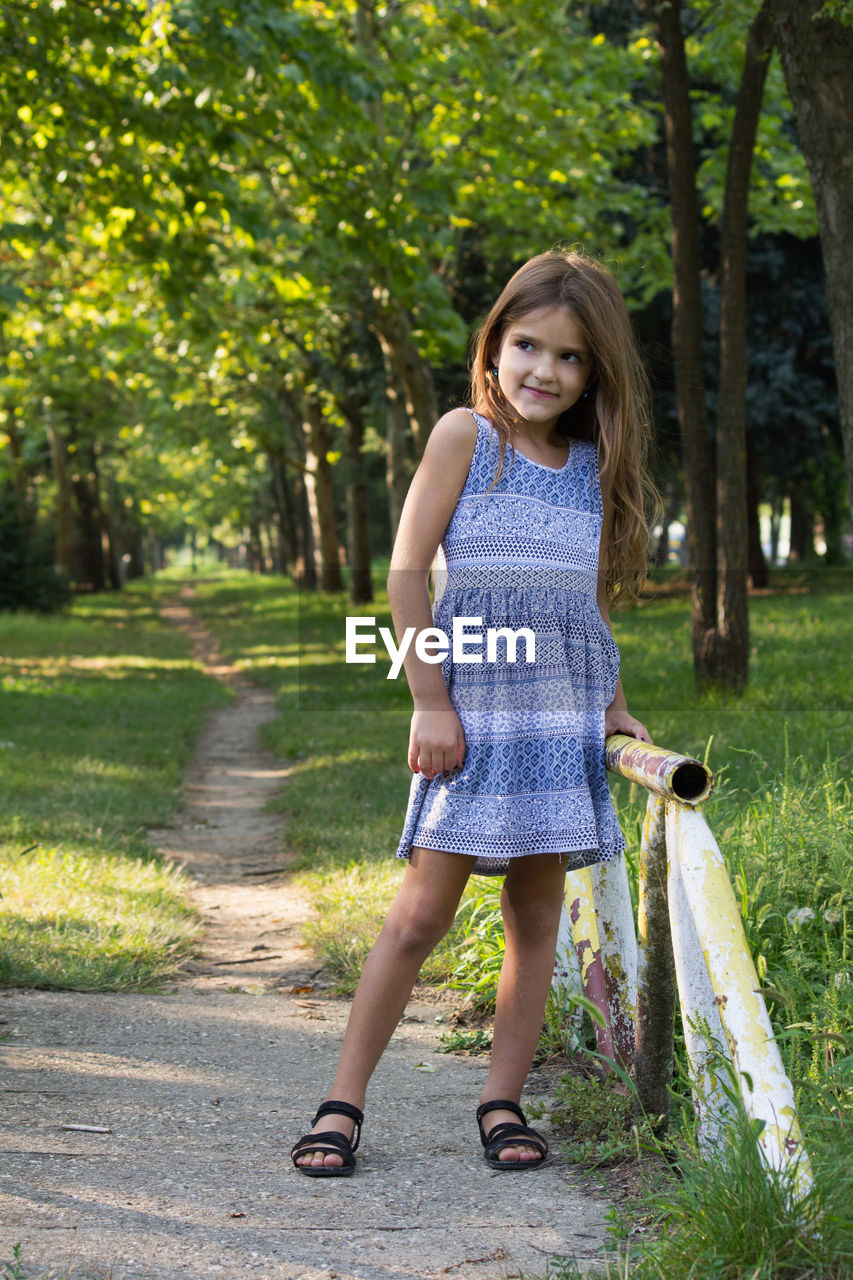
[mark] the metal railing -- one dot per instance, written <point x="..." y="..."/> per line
<point x="688" y="942"/>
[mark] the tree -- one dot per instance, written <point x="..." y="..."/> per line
<point x="227" y="302"/>
<point x="716" y="514"/>
<point x="815" y="40"/>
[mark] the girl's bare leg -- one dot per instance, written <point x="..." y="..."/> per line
<point x="419" y="917"/>
<point x="531" y="901"/>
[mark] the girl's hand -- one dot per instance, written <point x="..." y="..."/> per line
<point x="436" y="742"/>
<point x="617" y="720"/>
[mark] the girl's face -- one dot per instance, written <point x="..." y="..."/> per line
<point x="544" y="365"/>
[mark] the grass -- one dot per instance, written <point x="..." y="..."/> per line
<point x="99" y="710"/>
<point x="700" y="1218"/>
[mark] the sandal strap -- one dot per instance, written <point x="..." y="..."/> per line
<point x="508" y="1134"/>
<point x="325" y="1143"/>
<point x="341" y="1109"/>
<point x="497" y="1104"/>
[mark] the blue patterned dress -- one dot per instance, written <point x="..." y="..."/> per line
<point x="533" y="779"/>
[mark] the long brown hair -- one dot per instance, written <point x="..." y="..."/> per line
<point x="615" y="413"/>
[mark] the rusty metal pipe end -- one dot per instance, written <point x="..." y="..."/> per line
<point x="667" y="773"/>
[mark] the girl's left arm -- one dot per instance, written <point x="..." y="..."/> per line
<point x="617" y="718"/>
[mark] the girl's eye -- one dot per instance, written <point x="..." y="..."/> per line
<point x="571" y="355"/>
<point x="524" y="345"/>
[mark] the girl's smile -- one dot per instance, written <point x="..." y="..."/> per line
<point x="543" y="365"/>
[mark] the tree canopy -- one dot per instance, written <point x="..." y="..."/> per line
<point x="245" y="246"/>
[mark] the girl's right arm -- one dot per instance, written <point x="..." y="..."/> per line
<point x="437" y="741"/>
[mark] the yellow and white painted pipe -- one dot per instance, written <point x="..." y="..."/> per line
<point x="690" y="932"/>
<point x="721" y="948"/>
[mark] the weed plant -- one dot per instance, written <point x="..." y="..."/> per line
<point x="12" y="1269"/>
<point x="99" y="710"/>
<point x="726" y="1215"/>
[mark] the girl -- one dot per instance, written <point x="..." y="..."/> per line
<point x="536" y="498"/>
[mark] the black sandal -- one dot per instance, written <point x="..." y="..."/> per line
<point x="507" y="1134"/>
<point x="331" y="1143"/>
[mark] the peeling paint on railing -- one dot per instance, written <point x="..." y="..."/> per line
<point x="666" y="773"/>
<point x="605" y="943"/>
<point x="691" y="937"/>
<point x="764" y="1086"/>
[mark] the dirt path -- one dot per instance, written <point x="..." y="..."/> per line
<point x="146" y="1137"/>
<point x="232" y="846"/>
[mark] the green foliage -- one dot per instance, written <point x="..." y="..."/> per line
<point x="794" y="881"/>
<point x="481" y="953"/>
<point x="90" y="920"/>
<point x="351" y="905"/>
<point x="839" y="10"/>
<point x="596" y="1116"/>
<point x="780" y="197"/>
<point x="202" y="244"/>
<point x="465" y="1040"/>
<point x="568" y="1025"/>
<point x="12" y="1270"/>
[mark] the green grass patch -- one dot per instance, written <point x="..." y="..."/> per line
<point x="99" y="711"/>
<point x="726" y="1216"/>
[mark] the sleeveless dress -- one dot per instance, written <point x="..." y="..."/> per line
<point x="523" y="555"/>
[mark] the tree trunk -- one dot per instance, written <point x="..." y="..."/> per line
<point x="817" y="57"/>
<point x="670" y="511"/>
<point x="112" y="527"/>
<point x="307" y="575"/>
<point x="64" y="506"/>
<point x="405" y="366"/>
<point x="396" y="456"/>
<point x="732" y="642"/>
<point x="287" y="536"/>
<point x="318" y="484"/>
<point x="696" y="444"/>
<point x="831" y="506"/>
<point x="90" y="547"/>
<point x="802" y="525"/>
<point x="777" y="510"/>
<point x="305" y="568"/>
<point x="131" y="538"/>
<point x="358" y="527"/>
<point x="254" y="545"/>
